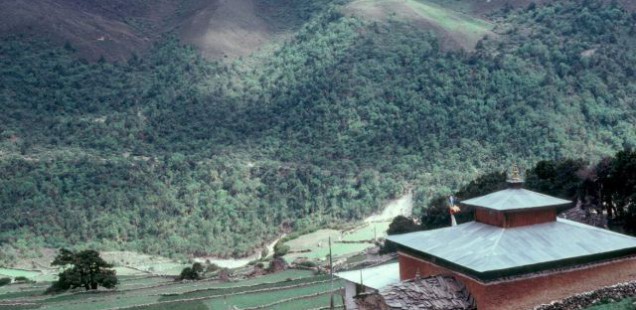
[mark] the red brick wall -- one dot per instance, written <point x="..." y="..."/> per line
<point x="528" y="292"/>
<point x="514" y="218"/>
<point x="524" y="218"/>
<point x="490" y="217"/>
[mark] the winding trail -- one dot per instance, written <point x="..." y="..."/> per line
<point x="239" y="262"/>
<point x="401" y="206"/>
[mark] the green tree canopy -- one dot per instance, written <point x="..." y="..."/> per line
<point x="82" y="269"/>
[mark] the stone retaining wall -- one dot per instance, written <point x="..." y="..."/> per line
<point x="581" y="301"/>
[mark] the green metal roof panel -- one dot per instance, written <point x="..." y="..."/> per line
<point x="485" y="248"/>
<point x="374" y="277"/>
<point x="514" y="199"/>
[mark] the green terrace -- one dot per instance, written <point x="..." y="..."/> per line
<point x="291" y="289"/>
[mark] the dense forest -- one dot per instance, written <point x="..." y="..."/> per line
<point x="169" y="153"/>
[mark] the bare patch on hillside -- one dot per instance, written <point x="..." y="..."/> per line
<point x="92" y="34"/>
<point x="455" y="29"/>
<point x="402" y="206"/>
<point x="229" y="28"/>
<point x="115" y="29"/>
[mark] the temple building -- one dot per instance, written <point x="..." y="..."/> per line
<point x="516" y="254"/>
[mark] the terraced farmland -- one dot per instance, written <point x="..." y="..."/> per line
<point x="291" y="289"/>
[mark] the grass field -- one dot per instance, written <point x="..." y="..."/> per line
<point x="625" y="304"/>
<point x="368" y="232"/>
<point x="446" y="18"/>
<point x="449" y="19"/>
<point x="18" y="273"/>
<point x="291" y="289"/>
<point x="315" y="245"/>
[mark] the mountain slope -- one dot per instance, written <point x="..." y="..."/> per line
<point x="91" y="31"/>
<point x="171" y="154"/>
<point x="116" y="29"/>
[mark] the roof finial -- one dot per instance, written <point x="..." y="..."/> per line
<point x="514" y="179"/>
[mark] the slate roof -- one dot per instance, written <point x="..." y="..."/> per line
<point x="515" y="199"/>
<point x="374" y="277"/>
<point x="480" y="248"/>
<point x="432" y="293"/>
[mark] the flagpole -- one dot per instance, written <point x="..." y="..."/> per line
<point x="331" y="306"/>
<point x="451" y="201"/>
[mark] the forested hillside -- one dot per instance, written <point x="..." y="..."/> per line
<point x="169" y="153"/>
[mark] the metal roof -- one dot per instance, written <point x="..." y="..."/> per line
<point x="374" y="277"/>
<point x="514" y="199"/>
<point x="482" y="248"/>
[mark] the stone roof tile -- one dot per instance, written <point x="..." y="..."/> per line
<point x="432" y="293"/>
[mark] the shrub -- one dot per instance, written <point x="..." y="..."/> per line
<point x="264" y="252"/>
<point x="280" y="249"/>
<point x="192" y="273"/>
<point x="211" y="267"/>
<point x="308" y="263"/>
<point x="23" y="279"/>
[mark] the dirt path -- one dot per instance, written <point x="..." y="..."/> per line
<point x="240" y="262"/>
<point x="401" y="206"/>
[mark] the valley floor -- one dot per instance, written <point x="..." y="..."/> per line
<point x="291" y="289"/>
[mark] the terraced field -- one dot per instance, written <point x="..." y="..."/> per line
<point x="146" y="281"/>
<point x="291" y="289"/>
<point x="352" y="241"/>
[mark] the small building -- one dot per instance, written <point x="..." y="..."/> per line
<point x="380" y="287"/>
<point x="517" y="254"/>
<point x="430" y="293"/>
<point x="367" y="281"/>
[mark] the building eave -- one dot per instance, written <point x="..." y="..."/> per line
<point x="487" y="252"/>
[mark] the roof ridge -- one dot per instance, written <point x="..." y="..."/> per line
<point x="542" y="194"/>
<point x="489" y="257"/>
<point x="515" y="199"/>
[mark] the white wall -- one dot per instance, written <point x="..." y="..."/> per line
<point x="350" y="293"/>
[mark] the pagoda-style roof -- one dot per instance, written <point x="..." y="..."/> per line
<point x="488" y="252"/>
<point x="515" y="199"/>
